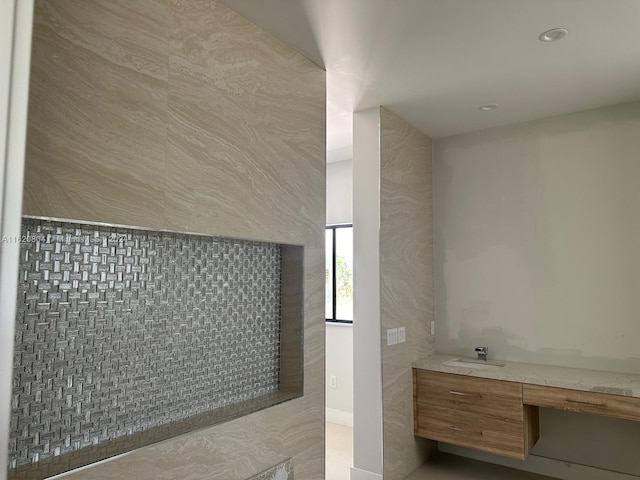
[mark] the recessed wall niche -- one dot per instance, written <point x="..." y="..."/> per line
<point x="126" y="337"/>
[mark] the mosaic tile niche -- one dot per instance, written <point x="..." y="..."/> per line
<point x="128" y="334"/>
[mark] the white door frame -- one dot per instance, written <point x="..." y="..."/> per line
<point x="16" y="19"/>
<point x="367" y="345"/>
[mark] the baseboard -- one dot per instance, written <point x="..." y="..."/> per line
<point x="541" y="465"/>
<point x="339" y="416"/>
<point x="357" y="474"/>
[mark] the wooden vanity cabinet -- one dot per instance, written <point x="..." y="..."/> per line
<point x="472" y="412"/>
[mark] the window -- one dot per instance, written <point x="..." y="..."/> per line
<point x="339" y="274"/>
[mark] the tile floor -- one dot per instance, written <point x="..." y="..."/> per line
<point x="452" y="467"/>
<point x="339" y="457"/>
<point x="339" y="452"/>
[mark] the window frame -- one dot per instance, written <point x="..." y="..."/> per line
<point x="334" y="290"/>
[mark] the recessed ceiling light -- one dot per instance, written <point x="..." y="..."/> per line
<point x="489" y="107"/>
<point x="553" y="34"/>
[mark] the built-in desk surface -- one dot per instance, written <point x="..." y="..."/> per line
<point x="614" y="383"/>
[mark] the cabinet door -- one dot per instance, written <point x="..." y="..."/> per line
<point x="480" y="432"/>
<point x="478" y="413"/>
<point x="478" y="395"/>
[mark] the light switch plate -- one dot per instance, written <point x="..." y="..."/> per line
<point x="392" y="336"/>
<point x="433" y="327"/>
<point x="402" y="335"/>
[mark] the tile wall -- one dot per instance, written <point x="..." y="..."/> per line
<point x="122" y="330"/>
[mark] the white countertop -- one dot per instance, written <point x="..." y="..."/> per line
<point x="614" y="383"/>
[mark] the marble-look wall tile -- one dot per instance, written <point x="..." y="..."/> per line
<point x="236" y="83"/>
<point x="97" y="110"/>
<point x="221" y="131"/>
<point x="406" y="283"/>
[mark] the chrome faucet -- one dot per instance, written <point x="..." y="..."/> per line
<point x="482" y="353"/>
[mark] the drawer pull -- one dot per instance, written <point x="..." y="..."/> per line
<point x="462" y="430"/>
<point x="582" y="402"/>
<point x="465" y="394"/>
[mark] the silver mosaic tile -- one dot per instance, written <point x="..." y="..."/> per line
<point x="120" y="330"/>
<point x="282" y="471"/>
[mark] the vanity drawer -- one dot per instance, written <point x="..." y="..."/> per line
<point x="583" y="402"/>
<point x="466" y="429"/>
<point x="475" y="395"/>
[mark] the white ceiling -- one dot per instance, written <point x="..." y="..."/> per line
<point x="434" y="62"/>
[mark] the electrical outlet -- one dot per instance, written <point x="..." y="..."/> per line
<point x="433" y="327"/>
<point x="333" y="381"/>
<point x="392" y="336"/>
<point x="402" y="335"/>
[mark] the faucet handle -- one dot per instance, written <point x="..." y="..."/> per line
<point x="482" y="352"/>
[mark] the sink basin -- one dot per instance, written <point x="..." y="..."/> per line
<point x="474" y="364"/>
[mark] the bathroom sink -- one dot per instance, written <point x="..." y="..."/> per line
<point x="475" y="364"/>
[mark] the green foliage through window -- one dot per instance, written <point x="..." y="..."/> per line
<point x="339" y="274"/>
